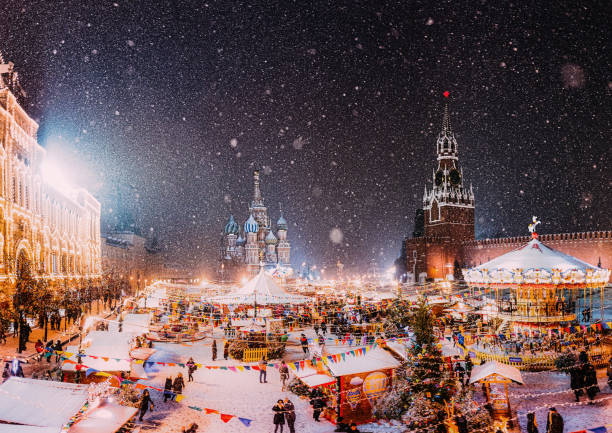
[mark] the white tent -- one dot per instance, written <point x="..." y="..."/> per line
<point x="40" y="403"/>
<point x="262" y="290"/>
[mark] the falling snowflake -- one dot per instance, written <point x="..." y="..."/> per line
<point x="572" y="76"/>
<point x="336" y="235"/>
<point x="299" y="142"/>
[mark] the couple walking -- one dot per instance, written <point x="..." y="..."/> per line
<point x="284" y="411"/>
<point x="173" y="388"/>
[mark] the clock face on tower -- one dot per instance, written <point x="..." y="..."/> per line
<point x="455" y="177"/>
<point x="439" y="178"/>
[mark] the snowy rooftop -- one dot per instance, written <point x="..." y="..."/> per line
<point x="113" y="346"/>
<point x="374" y="359"/>
<point x="106" y="418"/>
<point x="311" y="377"/>
<point x="492" y="368"/>
<point x="40" y="402"/>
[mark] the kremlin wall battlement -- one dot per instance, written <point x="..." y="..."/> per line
<point x="603" y="235"/>
<point x="592" y="247"/>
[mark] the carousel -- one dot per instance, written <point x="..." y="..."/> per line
<point x="537" y="285"/>
<point x="257" y="330"/>
<point x="537" y="301"/>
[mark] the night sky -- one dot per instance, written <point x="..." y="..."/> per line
<point x="174" y="103"/>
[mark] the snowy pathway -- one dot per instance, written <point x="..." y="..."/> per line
<point x="237" y="393"/>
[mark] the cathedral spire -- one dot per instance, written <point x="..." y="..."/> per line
<point x="257" y="198"/>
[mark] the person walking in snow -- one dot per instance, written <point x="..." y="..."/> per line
<point x="214" y="350"/>
<point x="178" y="385"/>
<point x="318" y="403"/>
<point x="58" y="349"/>
<point x="304" y="343"/>
<point x="145" y="403"/>
<point x="577" y="380"/>
<point x="168" y="394"/>
<point x="226" y="350"/>
<point x="284" y="374"/>
<point x="290" y="415"/>
<point x="279" y="416"/>
<point x="554" y="423"/>
<point x="590" y="381"/>
<point x="191" y="367"/>
<point x="532" y="423"/>
<point x="263" y="365"/>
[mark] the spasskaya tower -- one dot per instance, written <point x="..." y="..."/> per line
<point x="446" y="220"/>
<point x="449" y="206"/>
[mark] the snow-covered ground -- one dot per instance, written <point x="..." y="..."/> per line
<point x="241" y="394"/>
<point x="546" y="389"/>
<point x="235" y="393"/>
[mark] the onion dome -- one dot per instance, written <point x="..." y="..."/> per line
<point x="251" y="226"/>
<point x="282" y="223"/>
<point x="240" y="241"/>
<point x="271" y="239"/>
<point x="232" y="227"/>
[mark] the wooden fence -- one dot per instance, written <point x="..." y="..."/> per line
<point x="598" y="357"/>
<point x="254" y="355"/>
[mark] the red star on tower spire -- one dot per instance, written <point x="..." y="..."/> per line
<point x="446" y="93"/>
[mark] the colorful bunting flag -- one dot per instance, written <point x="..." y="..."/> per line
<point x="225" y="417"/>
<point x="245" y="421"/>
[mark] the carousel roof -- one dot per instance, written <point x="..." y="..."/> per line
<point x="536" y="263"/>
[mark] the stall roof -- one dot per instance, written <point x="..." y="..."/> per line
<point x="317" y="380"/>
<point x="374" y="359"/>
<point x="311" y="377"/>
<point x="40" y="403"/>
<point x="108" y="343"/>
<point x="491" y="368"/>
<point x="106" y="418"/>
<point x="114" y="346"/>
<point x="400" y="348"/>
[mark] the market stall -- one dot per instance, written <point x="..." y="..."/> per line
<point x="39" y="403"/>
<point x="105" y="417"/>
<point x="362" y="379"/>
<point x="495" y="375"/>
<point x="102" y="351"/>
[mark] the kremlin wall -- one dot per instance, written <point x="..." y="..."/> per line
<point x="594" y="248"/>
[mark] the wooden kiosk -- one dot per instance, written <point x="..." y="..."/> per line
<point x="493" y="375"/>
